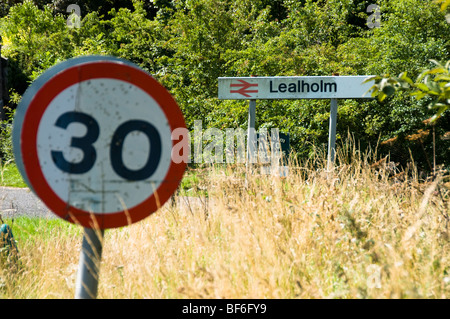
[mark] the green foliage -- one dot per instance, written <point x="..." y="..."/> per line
<point x="38" y="38"/>
<point x="6" y="149"/>
<point x="188" y="44"/>
<point x="6" y="153"/>
<point x="10" y="175"/>
<point x="444" y="4"/>
<point x="27" y="229"/>
<point x="431" y="87"/>
<point x="432" y="83"/>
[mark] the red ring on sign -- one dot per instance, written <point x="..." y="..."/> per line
<point x="35" y="111"/>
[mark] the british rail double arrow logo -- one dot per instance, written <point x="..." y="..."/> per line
<point x="244" y="86"/>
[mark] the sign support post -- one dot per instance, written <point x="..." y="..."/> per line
<point x="332" y="134"/>
<point x="251" y="133"/>
<point x="89" y="264"/>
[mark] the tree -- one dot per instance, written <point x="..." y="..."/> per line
<point x="431" y="83"/>
<point x="188" y="44"/>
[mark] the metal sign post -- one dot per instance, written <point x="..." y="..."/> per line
<point x="251" y="133"/>
<point x="86" y="286"/>
<point x="92" y="139"/>
<point x="294" y="87"/>
<point x="332" y="134"/>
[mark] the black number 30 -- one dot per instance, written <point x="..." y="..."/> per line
<point x="85" y="144"/>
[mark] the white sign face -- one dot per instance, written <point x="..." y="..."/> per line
<point x="296" y="87"/>
<point x="96" y="185"/>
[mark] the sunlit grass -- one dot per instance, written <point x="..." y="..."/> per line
<point x="10" y="175"/>
<point x="354" y="233"/>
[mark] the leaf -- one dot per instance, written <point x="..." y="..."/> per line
<point x="435" y="62"/>
<point x="383" y="83"/>
<point x="434" y="87"/>
<point x="442" y="78"/>
<point x="422" y="87"/>
<point x="439" y="105"/>
<point x="422" y="75"/>
<point x="444" y="5"/>
<point x="381" y="96"/>
<point x="403" y="76"/>
<point x="419" y="94"/>
<point x="438" y="114"/>
<point x="388" y="90"/>
<point x="374" y="89"/>
<point x="405" y="84"/>
<point x="372" y="78"/>
<point x="439" y="69"/>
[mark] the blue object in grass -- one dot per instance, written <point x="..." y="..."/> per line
<point x="6" y="238"/>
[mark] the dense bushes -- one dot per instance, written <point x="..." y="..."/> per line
<point x="188" y="44"/>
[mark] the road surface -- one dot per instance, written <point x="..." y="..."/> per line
<point x="15" y="202"/>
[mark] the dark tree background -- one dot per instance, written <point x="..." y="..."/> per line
<point x="188" y="44"/>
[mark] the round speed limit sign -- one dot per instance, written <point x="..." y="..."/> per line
<point x="92" y="138"/>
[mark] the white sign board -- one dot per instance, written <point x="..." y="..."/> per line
<point x="294" y="87"/>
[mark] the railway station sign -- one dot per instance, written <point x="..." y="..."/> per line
<point x="295" y="87"/>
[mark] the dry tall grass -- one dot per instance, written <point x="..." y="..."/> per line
<point x="356" y="233"/>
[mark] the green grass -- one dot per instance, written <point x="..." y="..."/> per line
<point x="191" y="184"/>
<point x="27" y="229"/>
<point x="10" y="175"/>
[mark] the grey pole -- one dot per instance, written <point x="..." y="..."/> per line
<point x="251" y="133"/>
<point x="332" y="134"/>
<point x="89" y="264"/>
